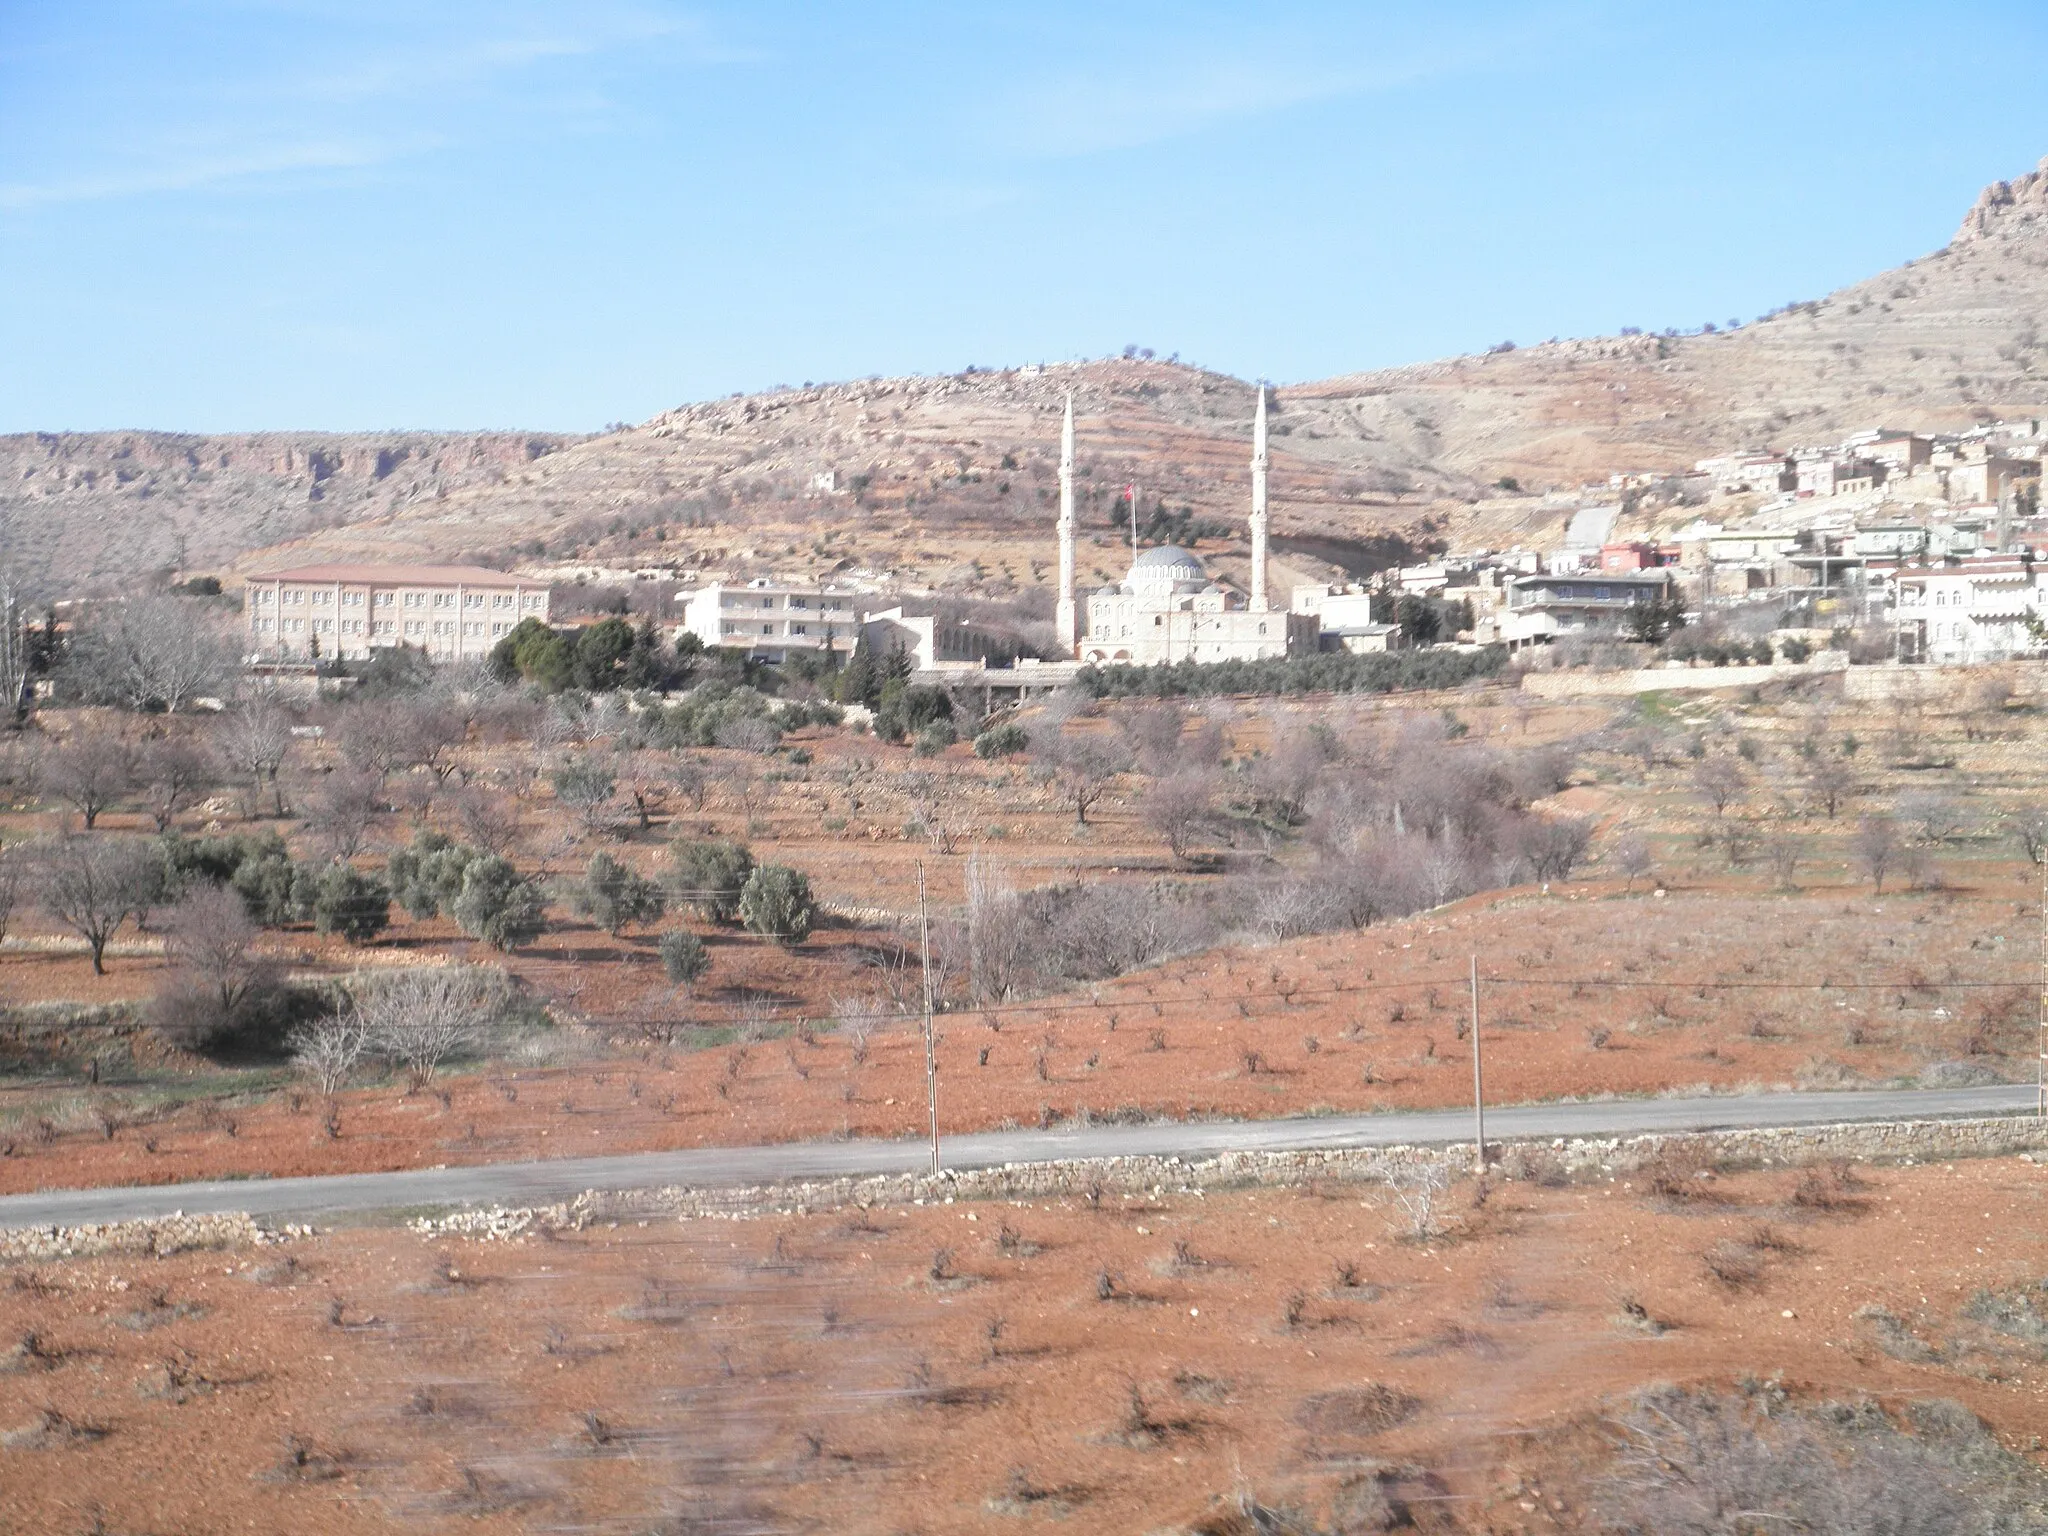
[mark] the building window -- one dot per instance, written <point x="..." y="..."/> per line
<point x="444" y="599"/>
<point x="767" y="629"/>
<point x="383" y="599"/>
<point x="472" y="600"/>
<point x="799" y="629"/>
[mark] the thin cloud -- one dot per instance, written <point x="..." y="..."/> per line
<point x="1139" y="102"/>
<point x="203" y="171"/>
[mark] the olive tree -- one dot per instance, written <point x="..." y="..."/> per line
<point x="615" y="896"/>
<point x="776" y="903"/>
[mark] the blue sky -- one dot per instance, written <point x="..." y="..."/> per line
<point x="354" y="214"/>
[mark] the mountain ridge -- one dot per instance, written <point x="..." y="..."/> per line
<point x="948" y="478"/>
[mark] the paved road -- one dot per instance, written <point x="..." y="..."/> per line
<point x="542" y="1182"/>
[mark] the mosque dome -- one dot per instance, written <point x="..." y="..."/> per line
<point x="1166" y="567"/>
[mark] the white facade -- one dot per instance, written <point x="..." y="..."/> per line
<point x="770" y="619"/>
<point x="1168" y="609"/>
<point x="451" y="612"/>
<point x="1976" y="609"/>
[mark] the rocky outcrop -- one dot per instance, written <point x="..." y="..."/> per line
<point x="2008" y="208"/>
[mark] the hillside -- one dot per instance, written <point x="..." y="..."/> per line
<point x="94" y="507"/>
<point x="949" y="480"/>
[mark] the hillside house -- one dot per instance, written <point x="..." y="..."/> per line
<point x="1543" y="609"/>
<point x="1972" y="608"/>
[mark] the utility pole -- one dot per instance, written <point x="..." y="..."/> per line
<point x="1479" y="1081"/>
<point x="931" y="1041"/>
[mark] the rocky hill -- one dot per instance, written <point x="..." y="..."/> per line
<point x="949" y="481"/>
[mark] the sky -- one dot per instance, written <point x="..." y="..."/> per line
<point x="233" y="215"/>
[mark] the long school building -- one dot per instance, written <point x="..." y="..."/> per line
<point x="348" y="611"/>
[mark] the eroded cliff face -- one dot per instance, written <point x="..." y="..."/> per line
<point x="91" y="508"/>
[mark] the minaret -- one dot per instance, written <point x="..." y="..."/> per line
<point x="1064" y="615"/>
<point x="1258" y="603"/>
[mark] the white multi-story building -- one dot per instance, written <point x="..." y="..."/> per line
<point x="314" y="612"/>
<point x="1985" y="607"/>
<point x="770" y="619"/>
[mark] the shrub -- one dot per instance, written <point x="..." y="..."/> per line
<point x="497" y="905"/>
<point x="348" y="902"/>
<point x="710" y="876"/>
<point x="1002" y="741"/>
<point x="1794" y="649"/>
<point x="684" y="958"/>
<point x="613" y="896"/>
<point x="933" y="739"/>
<point x="776" y="903"/>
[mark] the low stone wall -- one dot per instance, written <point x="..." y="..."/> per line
<point x="1555" y="1161"/>
<point x="158" y="1238"/>
<point x="1568" y="1161"/>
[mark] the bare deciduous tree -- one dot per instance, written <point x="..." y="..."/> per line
<point x="1829" y="781"/>
<point x="13" y="874"/>
<point x="328" y="1049"/>
<point x="91" y="771"/>
<point x="1081" y="765"/>
<point x="212" y="937"/>
<point x="935" y="808"/>
<point x="1180" y="808"/>
<point x="1633" y="858"/>
<point x="587" y="786"/>
<point x="1418" y="1193"/>
<point x="93" y="884"/>
<point x="1875" y="847"/>
<point x="153" y="652"/>
<point x="998" y="940"/>
<point x="171" y="773"/>
<point x="256" y="739"/>
<point x="419" y="1018"/>
<point x="342" y="810"/>
<point x="487" y="820"/>
<point x="1720" y="782"/>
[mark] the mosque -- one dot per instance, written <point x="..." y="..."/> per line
<point x="1168" y="608"/>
